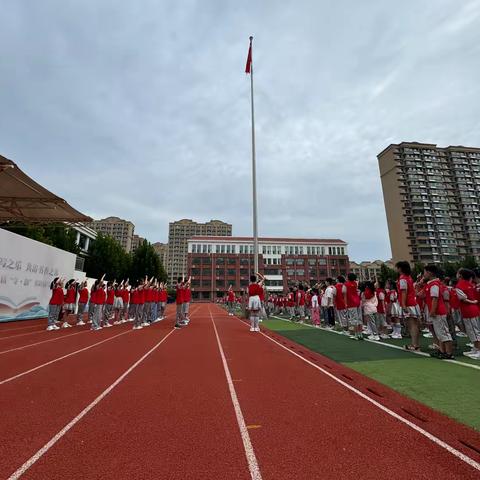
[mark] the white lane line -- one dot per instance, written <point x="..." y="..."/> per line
<point x="43" y="341"/>
<point x="26" y="372"/>
<point x="432" y="438"/>
<point x="247" y="444"/>
<point x="384" y="344"/>
<point x="34" y="458"/>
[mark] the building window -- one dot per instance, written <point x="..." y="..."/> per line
<point x="222" y="250"/>
<point x="217" y="248"/>
<point x="194" y="248"/>
<point x="264" y="249"/>
<point x="204" y="249"/>
<point x="209" y="248"/>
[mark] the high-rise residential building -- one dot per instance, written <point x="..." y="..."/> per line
<point x="136" y="241"/>
<point x="162" y="252"/>
<point x="215" y="263"/>
<point x="431" y="199"/>
<point x="369" y="270"/>
<point x="178" y="234"/>
<point x="120" y="230"/>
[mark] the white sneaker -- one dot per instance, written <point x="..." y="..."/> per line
<point x="66" y="325"/>
<point x="137" y="327"/>
<point x="471" y="352"/>
<point x="383" y="336"/>
<point x="473" y="355"/>
<point x="117" y="322"/>
<point x="461" y="334"/>
<point x="108" y="325"/>
<point x="81" y="322"/>
<point x="374" y="337"/>
<point x="51" y="327"/>
<point x="257" y="329"/>
<point x="427" y="335"/>
<point x="252" y="329"/>
<point x="470" y="345"/>
<point x="145" y="324"/>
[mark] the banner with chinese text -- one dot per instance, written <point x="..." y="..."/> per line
<point x="26" y="269"/>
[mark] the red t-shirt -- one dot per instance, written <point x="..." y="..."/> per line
<point x="469" y="310"/>
<point x="110" y="296"/>
<point x="100" y="296"/>
<point x="57" y="296"/>
<point x="187" y="295"/>
<point x="140" y="297"/>
<point x="353" y="298"/>
<point x="179" y="295"/>
<point x="231" y="296"/>
<point x="70" y="296"/>
<point x="255" y="289"/>
<point x="163" y="295"/>
<point x="83" y="298"/>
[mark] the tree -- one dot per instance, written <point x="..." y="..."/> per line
<point x="55" y="234"/>
<point x="107" y="257"/>
<point x="146" y="262"/>
<point x="387" y="274"/>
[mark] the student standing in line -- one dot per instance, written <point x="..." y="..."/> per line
<point x="108" y="305"/>
<point x="187" y="298"/>
<point x="354" y="311"/>
<point x="179" y="303"/>
<point x="437" y="313"/>
<point x="369" y="303"/>
<point x="328" y="299"/>
<point x="91" y="303"/>
<point x="163" y="300"/>
<point x="99" y="297"/>
<point x="381" y="309"/>
<point x="230" y="299"/>
<point x="70" y="301"/>
<point x="126" y="300"/>
<point x="254" y="303"/>
<point x="315" y="308"/>
<point x="82" y="302"/>
<point x="408" y="303"/>
<point x="118" y="303"/>
<point x="140" y="306"/>
<point x="395" y="312"/>
<point x="55" y="304"/>
<point x="340" y="301"/>
<point x="467" y="294"/>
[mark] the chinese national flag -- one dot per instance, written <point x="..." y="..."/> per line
<point x="248" y="66"/>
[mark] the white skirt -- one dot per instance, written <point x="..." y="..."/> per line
<point x="118" y="302"/>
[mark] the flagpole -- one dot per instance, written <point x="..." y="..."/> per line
<point x="254" y="169"/>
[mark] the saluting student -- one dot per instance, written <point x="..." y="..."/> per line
<point x="82" y="302"/>
<point x="55" y="304"/>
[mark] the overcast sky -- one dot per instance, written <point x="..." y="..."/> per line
<point x="141" y="109"/>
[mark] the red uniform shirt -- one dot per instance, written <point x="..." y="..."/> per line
<point x="187" y="295"/>
<point x="70" y="297"/>
<point x="231" y="296"/>
<point x="110" y="296"/>
<point x="381" y="304"/>
<point x="140" y="297"/>
<point x="339" y="298"/>
<point x="57" y="296"/>
<point x="353" y="298"/>
<point x="469" y="310"/>
<point x="411" y="300"/>
<point x="163" y="295"/>
<point x="100" y="296"/>
<point x="83" y="298"/>
<point x="179" y="295"/>
<point x="435" y="285"/>
<point x="255" y="289"/>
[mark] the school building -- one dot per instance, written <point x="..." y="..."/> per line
<point x="215" y="263"/>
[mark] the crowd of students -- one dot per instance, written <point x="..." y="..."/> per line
<point x="443" y="308"/>
<point x="111" y="303"/>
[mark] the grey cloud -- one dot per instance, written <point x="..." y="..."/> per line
<point x="141" y="109"/>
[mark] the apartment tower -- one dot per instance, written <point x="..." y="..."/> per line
<point x="431" y="197"/>
<point x="178" y="234"/>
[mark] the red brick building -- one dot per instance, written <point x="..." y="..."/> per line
<point x="214" y="263"/>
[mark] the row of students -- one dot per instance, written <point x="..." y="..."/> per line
<point x="142" y="304"/>
<point x="444" y="306"/>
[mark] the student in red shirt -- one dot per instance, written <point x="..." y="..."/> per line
<point x="437" y="312"/>
<point x="381" y="309"/>
<point x="300" y="300"/>
<point x="126" y="299"/>
<point x="163" y="300"/>
<point x="140" y="302"/>
<point x="99" y="302"/>
<point x="230" y="300"/>
<point x="354" y="311"/>
<point x="82" y="302"/>
<point x="340" y="302"/>
<point x="179" y="291"/>
<point x="118" y="303"/>
<point x="408" y="303"/>
<point x="70" y="301"/>
<point x="55" y="304"/>
<point x="187" y="298"/>
<point x="467" y="294"/>
<point x="108" y="305"/>
<point x="254" y="303"/>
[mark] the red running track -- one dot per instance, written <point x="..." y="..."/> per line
<point x="211" y="401"/>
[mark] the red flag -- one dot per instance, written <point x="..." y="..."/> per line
<point x="248" y="66"/>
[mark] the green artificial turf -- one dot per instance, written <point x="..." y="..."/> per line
<point x="449" y="388"/>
